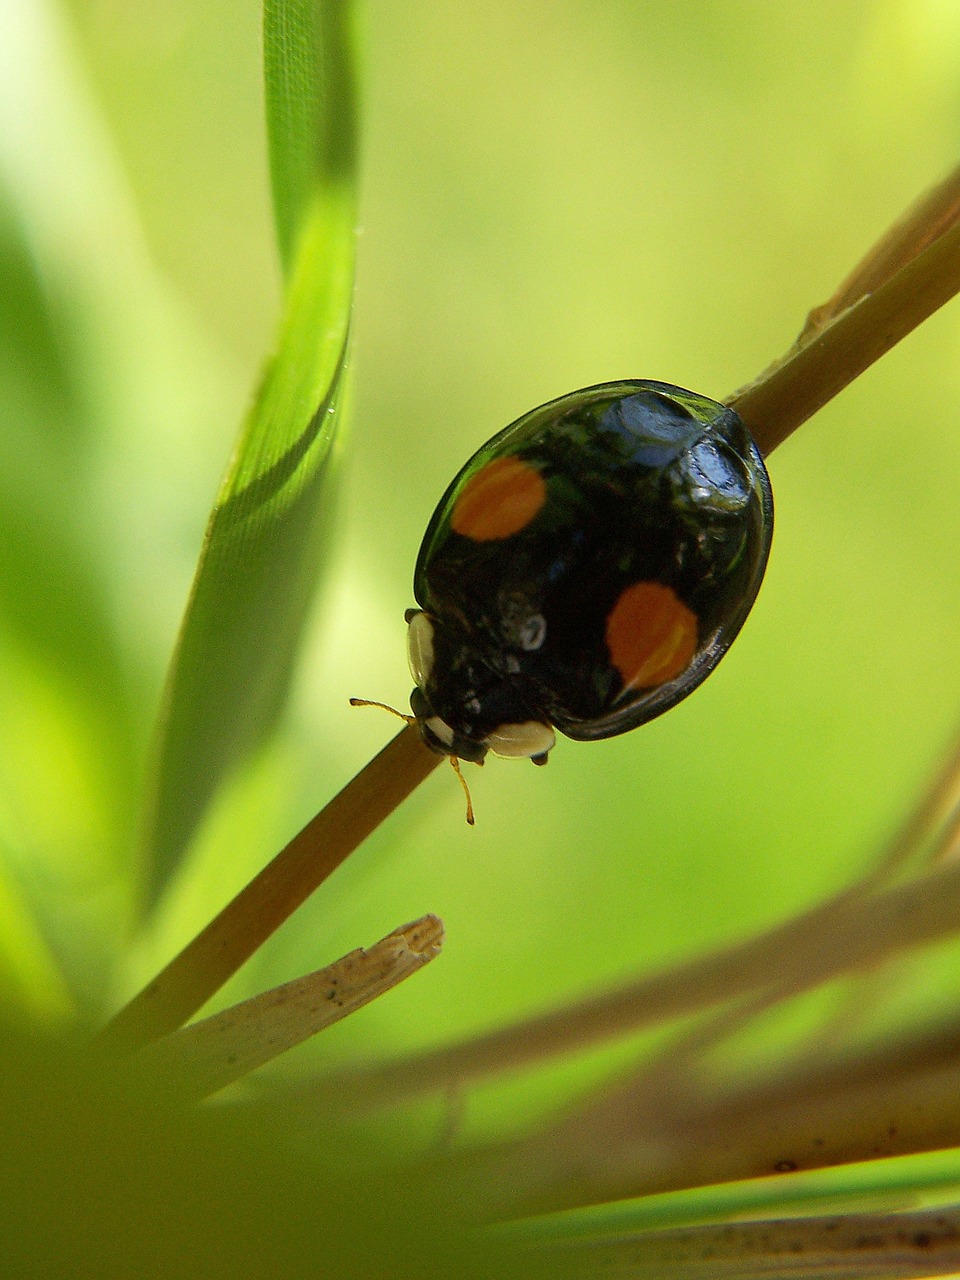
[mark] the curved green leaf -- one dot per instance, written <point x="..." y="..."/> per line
<point x="257" y="569"/>
<point x="310" y="103"/>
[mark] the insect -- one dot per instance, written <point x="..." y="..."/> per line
<point x="586" y="570"/>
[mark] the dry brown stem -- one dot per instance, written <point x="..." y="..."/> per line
<point x="206" y="1056"/>
<point x="886" y="1101"/>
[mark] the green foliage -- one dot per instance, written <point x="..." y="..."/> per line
<point x="310" y="104"/>
<point x="555" y="196"/>
<point x="258" y="569"/>
<point x="126" y="1184"/>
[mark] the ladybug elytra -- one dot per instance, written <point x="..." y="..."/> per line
<point x="586" y="570"/>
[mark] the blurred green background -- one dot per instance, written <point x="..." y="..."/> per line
<point x="553" y="195"/>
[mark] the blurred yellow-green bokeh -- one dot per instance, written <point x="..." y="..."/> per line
<point x="553" y="195"/>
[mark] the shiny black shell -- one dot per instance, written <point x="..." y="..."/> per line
<point x="646" y="493"/>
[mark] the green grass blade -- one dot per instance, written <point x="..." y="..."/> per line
<point x="310" y="105"/>
<point x="895" y="1182"/>
<point x="255" y="578"/>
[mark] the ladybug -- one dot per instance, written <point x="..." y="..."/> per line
<point x="586" y="570"/>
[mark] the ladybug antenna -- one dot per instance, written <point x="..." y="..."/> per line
<point x="364" y="702"/>
<point x="466" y="790"/>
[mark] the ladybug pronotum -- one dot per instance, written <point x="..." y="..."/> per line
<point x="586" y="570"/>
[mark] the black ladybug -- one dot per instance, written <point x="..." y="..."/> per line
<point x="587" y="569"/>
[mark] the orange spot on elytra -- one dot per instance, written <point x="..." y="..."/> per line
<point x="500" y="500"/>
<point x="651" y="635"/>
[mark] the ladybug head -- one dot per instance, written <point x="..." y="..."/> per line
<point x="461" y="708"/>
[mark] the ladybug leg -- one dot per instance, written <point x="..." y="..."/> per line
<point x="466" y="790"/>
